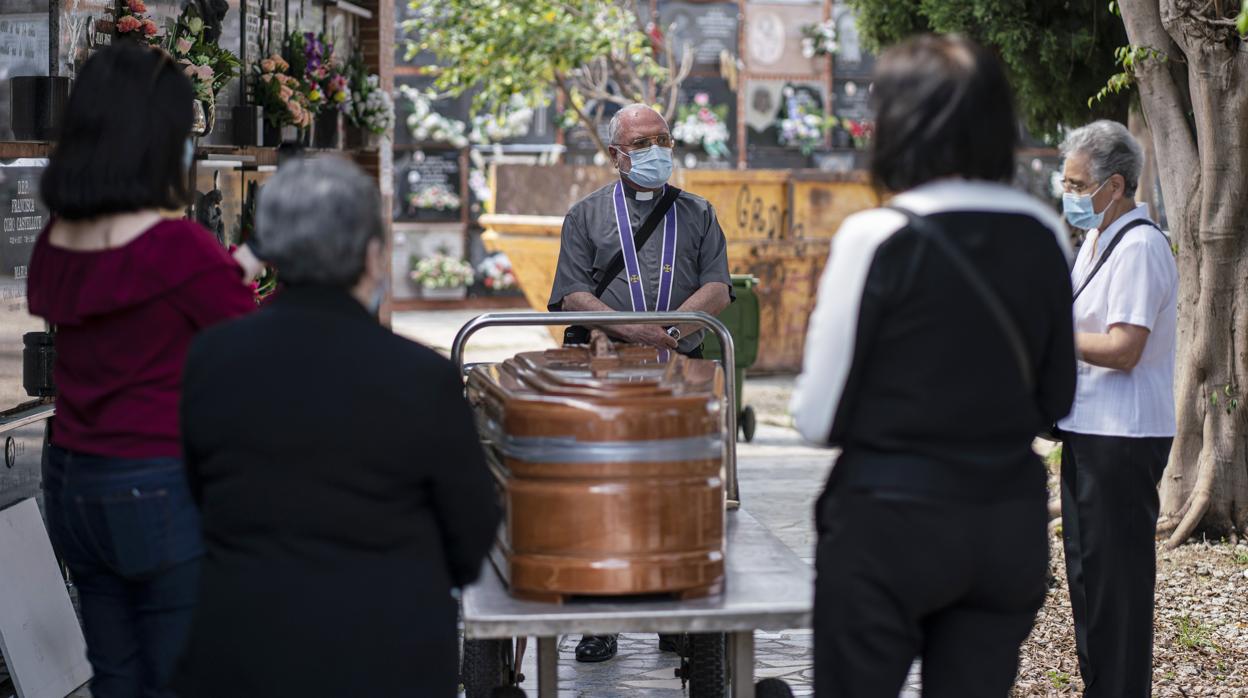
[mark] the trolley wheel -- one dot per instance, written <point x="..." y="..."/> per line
<point x="749" y="422"/>
<point x="708" y="669"/>
<point x="487" y="666"/>
<point x="772" y="688"/>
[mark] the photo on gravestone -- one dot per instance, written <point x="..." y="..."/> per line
<point x="427" y="186"/>
<point x="22" y="217"/>
<point x="24" y="50"/>
<point x="705" y="124"/>
<point x="707" y="28"/>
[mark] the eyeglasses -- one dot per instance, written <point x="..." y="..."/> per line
<point x="1075" y="187"/>
<point x="663" y="140"/>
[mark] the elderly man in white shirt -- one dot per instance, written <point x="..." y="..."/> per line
<point x="1116" y="440"/>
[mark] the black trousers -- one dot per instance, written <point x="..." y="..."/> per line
<point x="957" y="584"/>
<point x="1109" y="524"/>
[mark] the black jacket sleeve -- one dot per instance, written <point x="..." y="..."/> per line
<point x="465" y="500"/>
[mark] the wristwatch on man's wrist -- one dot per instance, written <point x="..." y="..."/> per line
<point x="674" y="332"/>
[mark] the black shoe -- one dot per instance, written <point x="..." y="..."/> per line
<point x="596" y="648"/>
<point x="669" y="643"/>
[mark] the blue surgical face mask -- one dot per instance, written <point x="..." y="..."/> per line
<point x="1080" y="212"/>
<point x="651" y="167"/>
<point x="188" y="154"/>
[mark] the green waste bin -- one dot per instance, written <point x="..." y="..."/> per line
<point x="741" y="319"/>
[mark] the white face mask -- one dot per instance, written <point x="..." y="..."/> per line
<point x="188" y="154"/>
<point x="379" y="296"/>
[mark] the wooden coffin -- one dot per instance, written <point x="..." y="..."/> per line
<point x="612" y="471"/>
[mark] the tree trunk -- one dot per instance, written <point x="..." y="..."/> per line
<point x="1204" y="177"/>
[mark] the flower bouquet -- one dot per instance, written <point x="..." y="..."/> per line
<point x="860" y="132"/>
<point x="208" y="65"/>
<point x="132" y="23"/>
<point x="370" y="107"/>
<point x="703" y="124"/>
<point x="280" y="94"/>
<point x="427" y="125"/>
<point x="436" y="197"/>
<point x="512" y="122"/>
<point x="804" y="124"/>
<point x="819" y="39"/>
<point x="496" y="274"/>
<point x="441" y="276"/>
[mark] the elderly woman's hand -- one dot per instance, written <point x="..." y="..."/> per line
<point x="251" y="264"/>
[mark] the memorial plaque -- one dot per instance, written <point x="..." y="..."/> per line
<point x="852" y="99"/>
<point x="718" y="94"/>
<point x="427" y="185"/>
<point x="707" y="28"/>
<point x="773" y="40"/>
<point x="450" y="107"/>
<point x="851" y="60"/>
<point x="22" y="217"/>
<point x="24" y="48"/>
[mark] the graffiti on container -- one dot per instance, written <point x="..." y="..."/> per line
<point x="756" y="218"/>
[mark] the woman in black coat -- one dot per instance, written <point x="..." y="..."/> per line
<point x="343" y="489"/>
<point x="941" y="343"/>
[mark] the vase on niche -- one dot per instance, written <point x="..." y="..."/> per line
<point x="358" y="138"/>
<point x="327" y="130"/>
<point x="203" y="117"/>
<point x="248" y="125"/>
<point x="36" y="105"/>
<point x="452" y="293"/>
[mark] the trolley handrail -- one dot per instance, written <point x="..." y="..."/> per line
<point x="728" y="356"/>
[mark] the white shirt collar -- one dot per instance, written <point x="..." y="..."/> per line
<point x="644" y="195"/>
<point x="1103" y="238"/>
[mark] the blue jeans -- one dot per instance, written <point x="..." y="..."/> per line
<point x="129" y="532"/>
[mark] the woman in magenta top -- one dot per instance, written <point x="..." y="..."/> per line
<point x="126" y="289"/>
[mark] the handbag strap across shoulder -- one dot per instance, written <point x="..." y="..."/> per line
<point x="934" y="232"/>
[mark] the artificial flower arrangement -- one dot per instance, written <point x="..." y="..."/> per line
<point x="208" y="65"/>
<point x="819" y="39"/>
<point x="496" y="273"/>
<point x="370" y="107"/>
<point x="441" y="271"/>
<point x="428" y="125"/>
<point x="131" y="22"/>
<point x="804" y="124"/>
<point x="280" y="94"/>
<point x="860" y="131"/>
<point x="514" y="121"/>
<point x="307" y="56"/>
<point x="703" y="124"/>
<point x="436" y="197"/>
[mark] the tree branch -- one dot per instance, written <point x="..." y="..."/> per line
<point x="562" y="81"/>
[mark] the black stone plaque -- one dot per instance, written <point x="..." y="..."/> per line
<point x="24" y="48"/>
<point x="429" y="174"/>
<point x="22" y="217"/>
<point x="707" y="28"/>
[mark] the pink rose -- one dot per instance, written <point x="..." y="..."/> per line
<point x="266" y="78"/>
<point x="150" y="28"/>
<point x="128" y="24"/>
<point x="284" y="93"/>
<point x="137" y="6"/>
<point x="183" y="45"/>
<point x="702" y="99"/>
<point x="190" y="71"/>
<point x="205" y="73"/>
<point x="267" y="65"/>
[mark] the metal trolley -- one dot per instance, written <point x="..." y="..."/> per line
<point x="766" y="586"/>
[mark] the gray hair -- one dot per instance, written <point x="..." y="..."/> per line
<point x="613" y="127"/>
<point x="315" y="218"/>
<point x="1111" y="150"/>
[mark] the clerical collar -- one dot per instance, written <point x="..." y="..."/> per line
<point x="641" y="195"/>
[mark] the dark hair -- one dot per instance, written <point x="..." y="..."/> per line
<point x="123" y="136"/>
<point x="943" y="108"/>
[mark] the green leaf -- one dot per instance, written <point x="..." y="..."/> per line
<point x="1241" y="22"/>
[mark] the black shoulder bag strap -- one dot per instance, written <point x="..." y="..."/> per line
<point x="580" y="335"/>
<point x="1110" y="248"/>
<point x="932" y="231"/>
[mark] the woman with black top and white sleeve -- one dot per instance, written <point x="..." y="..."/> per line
<point x="940" y="344"/>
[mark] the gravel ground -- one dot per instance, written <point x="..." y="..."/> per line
<point x="1200" y="637"/>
